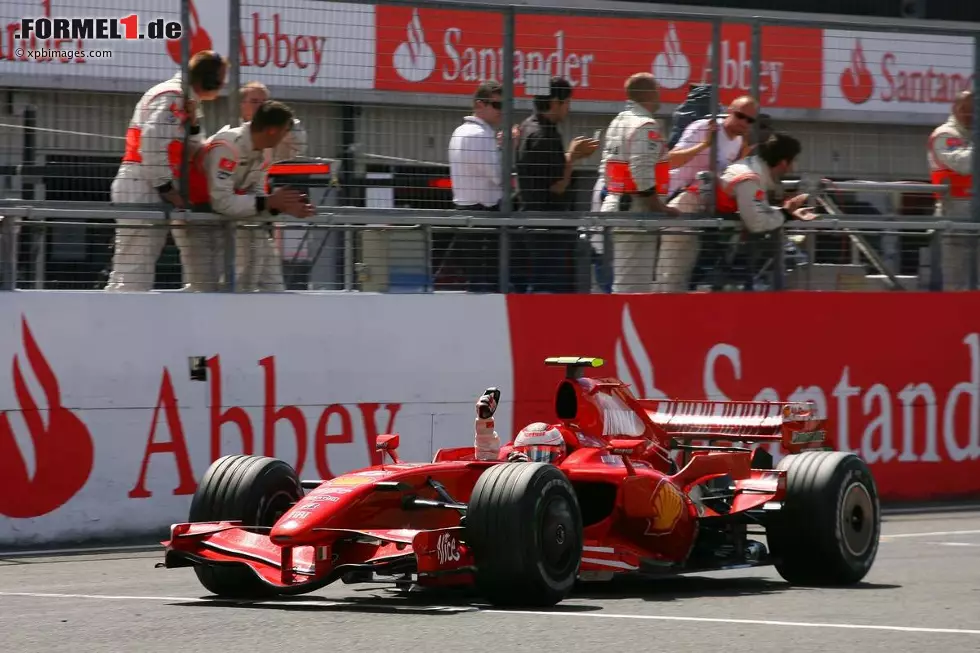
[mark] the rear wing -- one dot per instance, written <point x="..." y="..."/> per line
<point x="794" y="424"/>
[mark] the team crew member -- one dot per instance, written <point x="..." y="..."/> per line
<point x="950" y="153"/>
<point x="679" y="251"/>
<point x="294" y="145"/>
<point x="252" y="95"/>
<point x="636" y="174"/>
<point x="235" y="163"/>
<point x="744" y="186"/>
<point x="150" y="167"/>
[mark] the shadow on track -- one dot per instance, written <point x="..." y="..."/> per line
<point x="674" y="588"/>
<point x="383" y="600"/>
<point x="586" y="597"/>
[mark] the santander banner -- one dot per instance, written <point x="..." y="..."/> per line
<point x="107" y="422"/>
<point x="903" y="393"/>
<point x="437" y="51"/>
<point x="308" y="44"/>
<point x="909" y="73"/>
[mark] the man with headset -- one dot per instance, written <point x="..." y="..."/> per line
<point x="150" y="167"/>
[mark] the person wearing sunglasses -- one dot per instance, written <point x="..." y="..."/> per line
<point x="474" y="170"/>
<point x="692" y="155"/>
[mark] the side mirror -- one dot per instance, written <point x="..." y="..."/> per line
<point x="627" y="447"/>
<point x="388" y="442"/>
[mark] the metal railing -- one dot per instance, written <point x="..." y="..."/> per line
<point x="417" y="250"/>
<point x="354" y="244"/>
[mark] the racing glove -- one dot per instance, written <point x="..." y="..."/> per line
<point x="486" y="442"/>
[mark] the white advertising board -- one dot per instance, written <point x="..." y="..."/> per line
<point x="908" y="73"/>
<point x="301" y="44"/>
<point x="103" y="433"/>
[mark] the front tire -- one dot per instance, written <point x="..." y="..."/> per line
<point x="254" y="490"/>
<point x="828" y="530"/>
<point x="524" y="526"/>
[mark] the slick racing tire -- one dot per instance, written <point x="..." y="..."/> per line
<point x="253" y="489"/>
<point x="828" y="529"/>
<point x="524" y="527"/>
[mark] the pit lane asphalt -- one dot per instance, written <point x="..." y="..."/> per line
<point x="927" y="576"/>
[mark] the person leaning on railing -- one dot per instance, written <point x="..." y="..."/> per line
<point x="150" y="168"/>
<point x="743" y="190"/>
<point x="230" y="178"/>
<point x="678" y="253"/>
<point x="950" y="154"/>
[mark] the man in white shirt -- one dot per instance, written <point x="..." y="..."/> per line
<point x="474" y="168"/>
<point x="679" y="251"/>
<point x="474" y="155"/>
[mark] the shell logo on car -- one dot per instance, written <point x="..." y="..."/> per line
<point x="668" y="504"/>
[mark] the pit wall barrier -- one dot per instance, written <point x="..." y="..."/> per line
<point x="114" y="405"/>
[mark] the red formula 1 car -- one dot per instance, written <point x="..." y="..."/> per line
<point x="612" y="500"/>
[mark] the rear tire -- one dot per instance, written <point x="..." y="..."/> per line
<point x="253" y="489"/>
<point x="524" y="527"/>
<point x="828" y="530"/>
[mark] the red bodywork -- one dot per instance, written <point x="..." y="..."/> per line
<point x="635" y="498"/>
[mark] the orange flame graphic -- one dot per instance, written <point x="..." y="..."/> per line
<point x="200" y="39"/>
<point x="63" y="450"/>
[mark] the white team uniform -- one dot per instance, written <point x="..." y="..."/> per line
<point x="154" y="146"/>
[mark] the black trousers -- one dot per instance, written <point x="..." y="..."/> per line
<point x="467" y="260"/>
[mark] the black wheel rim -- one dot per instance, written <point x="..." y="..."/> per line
<point x="558" y="537"/>
<point x="274" y="506"/>
<point x="857" y="519"/>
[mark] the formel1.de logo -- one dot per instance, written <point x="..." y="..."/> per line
<point x="200" y="39"/>
<point x="414" y="59"/>
<point x="857" y="84"/>
<point x="63" y="448"/>
<point x="671" y="67"/>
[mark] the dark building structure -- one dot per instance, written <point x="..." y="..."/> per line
<point x="947" y="10"/>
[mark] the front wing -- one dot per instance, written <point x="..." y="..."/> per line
<point x="437" y="557"/>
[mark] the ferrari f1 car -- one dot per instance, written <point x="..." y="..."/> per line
<point x="641" y="486"/>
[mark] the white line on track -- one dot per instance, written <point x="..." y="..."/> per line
<point x="761" y="622"/>
<point x="592" y="615"/>
<point x="81" y="550"/>
<point x="932" y="534"/>
<point x="938" y="510"/>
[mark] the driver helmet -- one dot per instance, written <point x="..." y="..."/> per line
<point x="541" y="443"/>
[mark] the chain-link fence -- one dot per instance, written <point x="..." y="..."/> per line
<point x="402" y="149"/>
